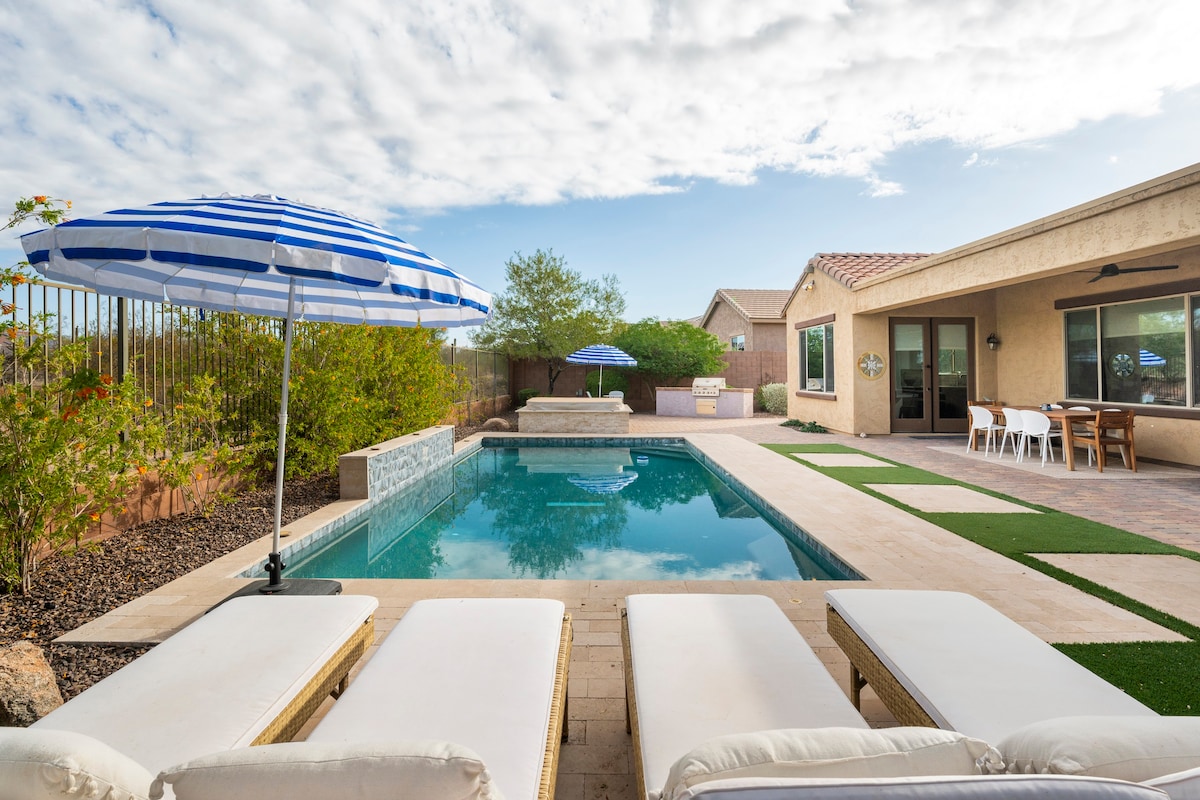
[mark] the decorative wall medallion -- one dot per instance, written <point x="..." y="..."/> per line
<point x="870" y="365"/>
<point x="1122" y="365"/>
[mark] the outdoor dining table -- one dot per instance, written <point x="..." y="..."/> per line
<point x="1063" y="416"/>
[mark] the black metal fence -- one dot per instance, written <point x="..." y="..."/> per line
<point x="166" y="345"/>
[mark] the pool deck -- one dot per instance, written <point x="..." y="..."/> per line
<point x="890" y="547"/>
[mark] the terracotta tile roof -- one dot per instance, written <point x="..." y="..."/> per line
<point x="757" y="304"/>
<point x="850" y="268"/>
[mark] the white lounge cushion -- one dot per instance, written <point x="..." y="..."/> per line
<point x="707" y="665"/>
<point x="934" y="787"/>
<point x="1184" y="785"/>
<point x="1129" y="748"/>
<point x="971" y="668"/>
<point x="217" y="683"/>
<point x="40" y="765"/>
<point x="478" y="672"/>
<point x="414" y="770"/>
<point x="831" y="753"/>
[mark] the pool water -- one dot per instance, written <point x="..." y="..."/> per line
<point x="584" y="513"/>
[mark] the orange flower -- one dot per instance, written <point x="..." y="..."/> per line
<point x="8" y="308"/>
<point x="106" y="380"/>
<point x="68" y="204"/>
<point x="148" y="402"/>
<point x="94" y="517"/>
<point x="142" y="469"/>
<point x="40" y="199"/>
<point x="18" y="279"/>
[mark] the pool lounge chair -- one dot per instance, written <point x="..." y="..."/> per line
<point x="252" y="671"/>
<point x="949" y="660"/>
<point x="928" y="654"/>
<point x="726" y="701"/>
<point x="704" y="665"/>
<point x="464" y="698"/>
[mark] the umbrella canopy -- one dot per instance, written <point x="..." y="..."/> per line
<point x="603" y="484"/>
<point x="1148" y="359"/>
<point x="603" y="355"/>
<point x="259" y="255"/>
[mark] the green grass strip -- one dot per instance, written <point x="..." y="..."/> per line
<point x="1163" y="675"/>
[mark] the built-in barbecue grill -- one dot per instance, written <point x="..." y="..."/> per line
<point x="707" y="387"/>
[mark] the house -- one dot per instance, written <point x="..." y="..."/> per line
<point x="1098" y="305"/>
<point x="748" y="319"/>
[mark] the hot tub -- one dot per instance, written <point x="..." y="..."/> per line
<point x="574" y="415"/>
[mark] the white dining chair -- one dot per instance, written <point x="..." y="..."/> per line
<point x="982" y="422"/>
<point x="1013" y="427"/>
<point x="1037" y="426"/>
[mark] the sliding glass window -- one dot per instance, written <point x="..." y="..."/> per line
<point x="1134" y="352"/>
<point x="816" y="359"/>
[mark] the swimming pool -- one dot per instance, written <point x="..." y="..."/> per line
<point x="578" y="513"/>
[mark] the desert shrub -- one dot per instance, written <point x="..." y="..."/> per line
<point x="805" y="427"/>
<point x="774" y="398"/>
<point x="524" y="395"/>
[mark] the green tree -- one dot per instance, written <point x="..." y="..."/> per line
<point x="548" y="311"/>
<point x="672" y="350"/>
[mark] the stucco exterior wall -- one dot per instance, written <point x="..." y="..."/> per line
<point x="768" y="337"/>
<point x="725" y="323"/>
<point x="835" y="410"/>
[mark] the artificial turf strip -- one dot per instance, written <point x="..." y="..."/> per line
<point x="1161" y="675"/>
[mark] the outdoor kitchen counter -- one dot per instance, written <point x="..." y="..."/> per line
<point x="679" y="401"/>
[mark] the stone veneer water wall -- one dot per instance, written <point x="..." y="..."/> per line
<point x="375" y="472"/>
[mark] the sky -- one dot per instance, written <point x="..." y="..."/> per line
<point x="681" y="145"/>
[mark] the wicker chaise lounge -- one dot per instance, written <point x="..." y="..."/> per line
<point x="726" y="701"/>
<point x="250" y="672"/>
<point x="464" y="698"/>
<point x="704" y="665"/>
<point x="949" y="660"/>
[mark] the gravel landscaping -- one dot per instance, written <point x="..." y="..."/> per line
<point x="72" y="589"/>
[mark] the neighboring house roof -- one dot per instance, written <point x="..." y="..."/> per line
<point x="754" y="305"/>
<point x="850" y="268"/>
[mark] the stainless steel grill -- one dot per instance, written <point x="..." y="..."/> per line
<point x="707" y="387"/>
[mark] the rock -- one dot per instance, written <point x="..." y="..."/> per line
<point x="28" y="690"/>
<point x="496" y="424"/>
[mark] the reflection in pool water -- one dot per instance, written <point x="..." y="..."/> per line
<point x="569" y="513"/>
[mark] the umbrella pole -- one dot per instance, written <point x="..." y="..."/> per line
<point x="275" y="565"/>
<point x="600" y="383"/>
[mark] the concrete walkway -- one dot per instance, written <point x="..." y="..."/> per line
<point x="892" y="548"/>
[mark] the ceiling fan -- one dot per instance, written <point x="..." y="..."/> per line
<point x="1112" y="270"/>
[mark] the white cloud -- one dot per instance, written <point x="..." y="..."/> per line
<point x="370" y="105"/>
<point x="971" y="160"/>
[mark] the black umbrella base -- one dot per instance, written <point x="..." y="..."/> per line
<point x="296" y="586"/>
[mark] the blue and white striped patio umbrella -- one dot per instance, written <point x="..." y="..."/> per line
<point x="259" y="255"/>
<point x="603" y="355"/>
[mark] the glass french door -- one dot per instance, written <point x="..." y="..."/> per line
<point x="933" y="364"/>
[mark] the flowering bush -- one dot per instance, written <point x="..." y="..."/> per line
<point x="68" y="442"/>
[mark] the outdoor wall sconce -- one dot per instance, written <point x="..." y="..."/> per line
<point x="993" y="341"/>
<point x="808" y="287"/>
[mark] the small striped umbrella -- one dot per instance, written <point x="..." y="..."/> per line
<point x="602" y="355"/>
<point x="259" y="255"/>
